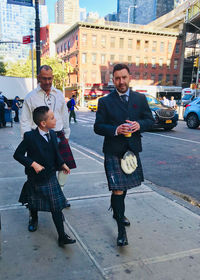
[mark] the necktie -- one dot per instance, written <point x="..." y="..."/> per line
<point x="124" y="98"/>
<point x="48" y="136"/>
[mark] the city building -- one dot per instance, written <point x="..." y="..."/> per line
<point x="153" y="55"/>
<point x="142" y="11"/>
<point x="111" y="17"/>
<point x="16" y="22"/>
<point x="67" y="12"/>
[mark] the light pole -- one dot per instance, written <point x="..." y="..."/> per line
<point x="129" y="9"/>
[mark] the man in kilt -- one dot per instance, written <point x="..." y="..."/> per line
<point x="46" y="95"/>
<point x="38" y="152"/>
<point x="121" y="117"/>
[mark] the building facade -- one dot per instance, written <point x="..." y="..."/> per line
<point x="142" y="11"/>
<point x="67" y="11"/>
<point x="16" y="22"/>
<point x="93" y="49"/>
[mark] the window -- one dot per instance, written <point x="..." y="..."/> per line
<point x="146" y="62"/>
<point x="68" y="45"/>
<point x="103" y="77"/>
<point x="153" y="62"/>
<point x="168" y="64"/>
<point x="121" y="58"/>
<point x="162" y="46"/>
<point x="146" y="46"/>
<point x="137" y="75"/>
<point x="65" y="47"/>
<point x="111" y="76"/>
<point x="103" y="41"/>
<point x="175" y="80"/>
<point x="145" y="75"/>
<point x="85" y="76"/>
<point x="138" y="45"/>
<point x="160" y="62"/>
<point x="169" y="47"/>
<point x="103" y="59"/>
<point x="94" y="58"/>
<point x="76" y="59"/>
<point x="84" y="39"/>
<point x="129" y="59"/>
<point x="154" y="46"/>
<point x="112" y="59"/>
<point x="112" y="42"/>
<point x="121" y="43"/>
<point x="61" y="48"/>
<point x="137" y="61"/>
<point x="160" y="78"/>
<point x="153" y="78"/>
<point x="177" y="48"/>
<point x="94" y="41"/>
<point x="175" y="63"/>
<point x="130" y="43"/>
<point x="167" y="78"/>
<point x="93" y="76"/>
<point x="84" y="58"/>
<point x="58" y="50"/>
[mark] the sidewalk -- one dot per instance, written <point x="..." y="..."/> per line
<point x="164" y="241"/>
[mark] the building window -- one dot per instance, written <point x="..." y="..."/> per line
<point x="130" y="43"/>
<point x="85" y="76"/>
<point x="61" y="48"/>
<point x="111" y="76"/>
<point x="121" y="58"/>
<point x="160" y="62"/>
<point x="84" y="39"/>
<point x="177" y="48"/>
<point x="103" y="59"/>
<point x="160" y="78"/>
<point x="167" y="78"/>
<point x="112" y="59"/>
<point x="94" y="58"/>
<point x="129" y="59"/>
<point x="84" y="58"/>
<point x="94" y="41"/>
<point x="154" y="46"/>
<point x="145" y="75"/>
<point x="58" y="50"/>
<point x="146" y="46"/>
<point x="138" y="43"/>
<point x="65" y="47"/>
<point x="146" y="62"/>
<point x="112" y="42"/>
<point x="175" y="63"/>
<point x="153" y="78"/>
<point x="168" y="64"/>
<point x="93" y="76"/>
<point x="103" y="41"/>
<point x="162" y="45"/>
<point x="76" y="59"/>
<point x="137" y="75"/>
<point x="169" y="47"/>
<point x="103" y="77"/>
<point x="137" y="61"/>
<point x="121" y="43"/>
<point x="68" y="45"/>
<point x="175" y="80"/>
<point x="153" y="62"/>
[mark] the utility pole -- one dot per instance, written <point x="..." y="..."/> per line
<point x="37" y="32"/>
<point x="32" y="58"/>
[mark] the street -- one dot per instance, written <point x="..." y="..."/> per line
<point x="170" y="159"/>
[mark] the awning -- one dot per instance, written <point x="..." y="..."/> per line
<point x="96" y="92"/>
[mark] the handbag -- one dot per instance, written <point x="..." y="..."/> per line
<point x="129" y="162"/>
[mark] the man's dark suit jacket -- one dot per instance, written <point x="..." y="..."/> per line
<point x="112" y="112"/>
<point x="39" y="150"/>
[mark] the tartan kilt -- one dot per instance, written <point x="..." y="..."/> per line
<point x="65" y="150"/>
<point x="43" y="196"/>
<point x="117" y="179"/>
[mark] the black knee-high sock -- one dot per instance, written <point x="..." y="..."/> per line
<point x="34" y="214"/>
<point x="118" y="209"/>
<point x="58" y="221"/>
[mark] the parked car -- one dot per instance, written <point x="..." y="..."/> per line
<point x="192" y="113"/>
<point x="93" y="104"/>
<point x="165" y="117"/>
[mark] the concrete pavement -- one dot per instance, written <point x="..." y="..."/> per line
<point x="164" y="241"/>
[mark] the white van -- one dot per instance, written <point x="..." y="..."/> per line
<point x="188" y="95"/>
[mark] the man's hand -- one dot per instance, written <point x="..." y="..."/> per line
<point x="65" y="169"/>
<point x="129" y="127"/>
<point x="37" y="167"/>
<point x="134" y="126"/>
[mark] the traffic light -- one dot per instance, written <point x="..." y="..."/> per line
<point x="196" y="62"/>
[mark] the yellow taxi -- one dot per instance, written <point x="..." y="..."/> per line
<point x="93" y="104"/>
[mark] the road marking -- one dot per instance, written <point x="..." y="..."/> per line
<point x="172" y="137"/>
<point x="88" y="172"/>
<point x="159" y="259"/>
<point x="86" y="150"/>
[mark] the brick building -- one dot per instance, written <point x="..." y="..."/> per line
<point x="92" y="49"/>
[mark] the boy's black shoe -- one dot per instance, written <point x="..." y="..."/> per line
<point x="65" y="240"/>
<point x="33" y="224"/>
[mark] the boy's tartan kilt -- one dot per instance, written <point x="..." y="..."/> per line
<point x="65" y="150"/>
<point x="44" y="196"/>
<point x="117" y="179"/>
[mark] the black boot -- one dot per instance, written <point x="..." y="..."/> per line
<point x="126" y="220"/>
<point x="117" y="203"/>
<point x="33" y="221"/>
<point x="63" y="238"/>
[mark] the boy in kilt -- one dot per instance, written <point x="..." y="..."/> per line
<point x="39" y="153"/>
<point x="121" y="117"/>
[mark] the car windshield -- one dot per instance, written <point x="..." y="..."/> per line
<point x="151" y="100"/>
<point x="187" y="97"/>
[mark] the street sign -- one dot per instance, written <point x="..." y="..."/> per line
<point x="21" y="2"/>
<point x="26" y="39"/>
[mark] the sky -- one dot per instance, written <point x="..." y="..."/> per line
<point x="103" y="7"/>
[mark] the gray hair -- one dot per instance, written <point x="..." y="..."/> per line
<point x="45" y="67"/>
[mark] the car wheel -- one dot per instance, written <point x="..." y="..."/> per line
<point x="192" y="121"/>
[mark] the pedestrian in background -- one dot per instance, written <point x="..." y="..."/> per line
<point x="3" y="103"/>
<point x="46" y="95"/>
<point x="172" y="103"/>
<point x="38" y="152"/>
<point x="71" y="104"/>
<point x="121" y="117"/>
<point x="15" y="107"/>
<point x="165" y="101"/>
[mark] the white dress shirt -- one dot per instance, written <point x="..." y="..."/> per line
<point x="55" y="102"/>
<point x="43" y="134"/>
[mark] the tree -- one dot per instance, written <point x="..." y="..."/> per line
<point x="2" y="69"/>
